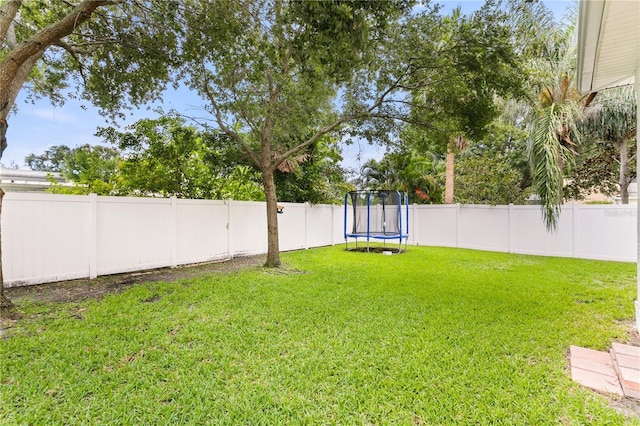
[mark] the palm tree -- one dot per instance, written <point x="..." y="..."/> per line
<point x="612" y="119"/>
<point x="457" y="144"/>
<point x="553" y="130"/>
<point x="552" y="146"/>
<point x="405" y="171"/>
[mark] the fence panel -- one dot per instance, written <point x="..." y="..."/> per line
<point x="291" y="227"/>
<point x="435" y="225"/>
<point x="201" y="231"/>
<point x="484" y="227"/>
<point x="529" y="234"/>
<point x="248" y="228"/>
<point x="320" y="225"/>
<point x="133" y="234"/>
<point x="44" y="238"/>
<point x="606" y="232"/>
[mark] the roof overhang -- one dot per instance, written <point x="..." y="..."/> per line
<point x="608" y="43"/>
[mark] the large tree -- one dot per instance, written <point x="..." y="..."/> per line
<point x="92" y="169"/>
<point x="271" y="87"/>
<point x="455" y="101"/>
<point x="51" y="160"/>
<point x="112" y="52"/>
<point x="610" y="127"/>
<point x="488" y="179"/>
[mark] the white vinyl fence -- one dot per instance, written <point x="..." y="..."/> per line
<point x="605" y="232"/>
<point x="57" y="237"/>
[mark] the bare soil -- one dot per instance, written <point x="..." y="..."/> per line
<point x="376" y="249"/>
<point x="84" y="289"/>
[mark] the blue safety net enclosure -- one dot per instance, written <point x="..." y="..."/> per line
<point x="376" y="215"/>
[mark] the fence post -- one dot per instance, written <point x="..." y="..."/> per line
<point x="229" y="248"/>
<point x="93" y="236"/>
<point x="509" y="227"/>
<point x="174" y="231"/>
<point x="458" y="225"/>
<point x="307" y="205"/>
<point x="333" y="224"/>
<point x="414" y="223"/>
<point x="574" y="230"/>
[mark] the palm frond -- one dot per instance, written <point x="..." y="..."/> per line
<point x="549" y="156"/>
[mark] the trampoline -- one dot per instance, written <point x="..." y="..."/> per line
<point x="376" y="215"/>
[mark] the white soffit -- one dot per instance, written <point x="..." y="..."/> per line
<point x="608" y="43"/>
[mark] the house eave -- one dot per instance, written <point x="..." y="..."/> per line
<point x="608" y="39"/>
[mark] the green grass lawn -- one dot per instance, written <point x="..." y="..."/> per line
<point x="433" y="336"/>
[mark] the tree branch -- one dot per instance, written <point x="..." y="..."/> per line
<point x="74" y="55"/>
<point x="232" y="134"/>
<point x="40" y="41"/>
<point x="367" y="113"/>
<point x="8" y="12"/>
<point x="282" y="157"/>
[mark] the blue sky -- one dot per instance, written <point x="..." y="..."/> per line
<point x="38" y="125"/>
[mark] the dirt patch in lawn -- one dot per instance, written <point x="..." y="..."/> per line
<point x="377" y="249"/>
<point x="83" y="289"/>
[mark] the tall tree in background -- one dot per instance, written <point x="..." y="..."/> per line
<point x="43" y="44"/>
<point x="51" y="160"/>
<point x="92" y="169"/>
<point x="611" y="121"/>
<point x="455" y="104"/>
<point x="165" y="157"/>
<point x="457" y="144"/>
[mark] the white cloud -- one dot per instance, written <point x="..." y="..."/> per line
<point x="53" y="115"/>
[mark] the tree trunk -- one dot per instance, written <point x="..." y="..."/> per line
<point x="5" y="303"/>
<point x="449" y="176"/>
<point x="624" y="165"/>
<point x="16" y="66"/>
<point x="273" y="244"/>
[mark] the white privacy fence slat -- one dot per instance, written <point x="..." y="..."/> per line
<point x="56" y="237"/>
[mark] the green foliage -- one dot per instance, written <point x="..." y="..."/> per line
<point x="241" y="184"/>
<point x="418" y="175"/>
<point x="507" y="140"/>
<point x="123" y="56"/>
<point x="609" y="145"/>
<point x="554" y="136"/>
<point x="356" y="339"/>
<point x="52" y="160"/>
<point x="271" y="84"/>
<point x="597" y="170"/>
<point x="612" y="116"/>
<point x="164" y="157"/>
<point x="549" y="157"/>
<point x="317" y="179"/>
<point x="465" y="62"/>
<point x="487" y="179"/>
<point x="92" y="169"/>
